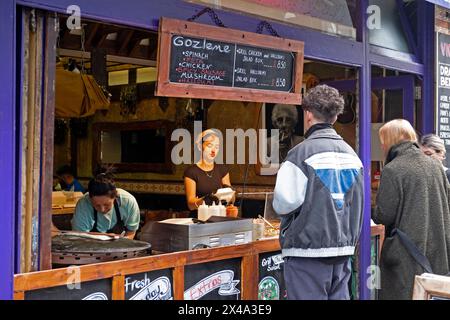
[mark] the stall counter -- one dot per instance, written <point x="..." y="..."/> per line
<point x="238" y="272"/>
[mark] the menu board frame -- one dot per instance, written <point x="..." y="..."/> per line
<point x="170" y="27"/>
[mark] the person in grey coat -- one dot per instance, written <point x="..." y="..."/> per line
<point x="412" y="198"/>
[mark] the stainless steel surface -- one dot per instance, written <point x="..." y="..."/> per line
<point x="217" y="231"/>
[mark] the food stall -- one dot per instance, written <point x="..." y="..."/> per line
<point x="134" y="50"/>
<point x="225" y="257"/>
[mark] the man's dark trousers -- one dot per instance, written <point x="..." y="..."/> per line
<point x="317" y="278"/>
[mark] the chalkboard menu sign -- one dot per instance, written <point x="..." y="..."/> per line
<point x="443" y="91"/>
<point x="153" y="285"/>
<point x="199" y="61"/>
<point x="206" y="62"/>
<point x="90" y="290"/>
<point x="219" y="280"/>
<point x="271" y="284"/>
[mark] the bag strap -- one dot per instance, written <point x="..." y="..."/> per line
<point x="413" y="250"/>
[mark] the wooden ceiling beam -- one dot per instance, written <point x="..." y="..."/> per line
<point x="91" y="33"/>
<point x="123" y="50"/>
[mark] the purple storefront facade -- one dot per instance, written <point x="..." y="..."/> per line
<point x="319" y="46"/>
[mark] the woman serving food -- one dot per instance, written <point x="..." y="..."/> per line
<point x="203" y="179"/>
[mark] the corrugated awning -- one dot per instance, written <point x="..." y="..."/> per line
<point x="442" y="3"/>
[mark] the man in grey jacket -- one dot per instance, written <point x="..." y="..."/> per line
<point x="319" y="195"/>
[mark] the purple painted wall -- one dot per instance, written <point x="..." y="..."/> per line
<point x="443" y="3"/>
<point x="7" y="147"/>
<point x="404" y="83"/>
<point x="145" y="14"/>
<point x="427" y="51"/>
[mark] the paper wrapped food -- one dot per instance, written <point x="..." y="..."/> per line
<point x="226" y="194"/>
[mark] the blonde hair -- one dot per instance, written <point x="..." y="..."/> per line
<point x="204" y="136"/>
<point x="396" y="131"/>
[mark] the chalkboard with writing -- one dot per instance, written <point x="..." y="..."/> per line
<point x="153" y="285"/>
<point x="271" y="285"/>
<point x="219" y="280"/>
<point x="443" y="91"/>
<point x="199" y="61"/>
<point x="207" y="62"/>
<point x="90" y="290"/>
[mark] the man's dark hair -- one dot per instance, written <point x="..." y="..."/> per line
<point x="324" y="102"/>
<point x="103" y="183"/>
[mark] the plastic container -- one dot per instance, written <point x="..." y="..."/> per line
<point x="203" y="212"/>
<point x="232" y="211"/>
<point x="222" y="210"/>
<point x="214" y="210"/>
<point x="258" y="229"/>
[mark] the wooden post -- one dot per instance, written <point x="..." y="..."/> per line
<point x="48" y="121"/>
<point x="29" y="145"/>
<point x="118" y="287"/>
<point x="250" y="275"/>
<point x="178" y="283"/>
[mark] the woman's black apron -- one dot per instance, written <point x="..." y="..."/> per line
<point x="118" y="228"/>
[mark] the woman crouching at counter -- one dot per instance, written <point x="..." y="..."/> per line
<point x="204" y="178"/>
<point x="106" y="209"/>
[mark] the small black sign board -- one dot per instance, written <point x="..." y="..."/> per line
<point x="218" y="280"/>
<point x="443" y="91"/>
<point x="89" y="290"/>
<point x="215" y="63"/>
<point x="271" y="285"/>
<point x="152" y="285"/>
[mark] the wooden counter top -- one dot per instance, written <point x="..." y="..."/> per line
<point x="177" y="264"/>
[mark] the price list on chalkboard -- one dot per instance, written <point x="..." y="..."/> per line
<point x="443" y="91"/>
<point x="216" y="63"/>
<point x="259" y="68"/>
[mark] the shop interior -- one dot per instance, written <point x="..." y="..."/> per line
<point x="110" y="116"/>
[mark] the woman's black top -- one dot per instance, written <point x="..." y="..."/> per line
<point x="206" y="181"/>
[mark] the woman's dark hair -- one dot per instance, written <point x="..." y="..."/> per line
<point x="103" y="183"/>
